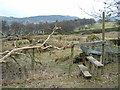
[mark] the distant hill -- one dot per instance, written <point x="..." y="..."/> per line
<point x="38" y="19"/>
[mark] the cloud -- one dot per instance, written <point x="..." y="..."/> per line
<point x="25" y="8"/>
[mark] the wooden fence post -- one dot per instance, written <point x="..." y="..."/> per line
<point x="33" y="55"/>
<point x="72" y="53"/>
<point x="84" y="58"/>
<point x="1" y="50"/>
<point x="72" y="50"/>
<point x="103" y="37"/>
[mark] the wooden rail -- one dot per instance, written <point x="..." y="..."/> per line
<point x="95" y="65"/>
<point x="85" y="71"/>
<point x="94" y="61"/>
<point x="92" y="42"/>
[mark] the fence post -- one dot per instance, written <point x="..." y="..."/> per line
<point x="72" y="53"/>
<point x="1" y="50"/>
<point x="33" y="55"/>
<point x="103" y="37"/>
<point x="72" y="50"/>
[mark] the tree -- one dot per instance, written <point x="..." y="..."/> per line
<point x="17" y="28"/>
<point x="30" y="28"/>
<point x="110" y="7"/>
<point x="5" y="27"/>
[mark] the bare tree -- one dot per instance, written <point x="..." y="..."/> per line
<point x="110" y="7"/>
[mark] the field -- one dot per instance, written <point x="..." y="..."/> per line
<point x="49" y="73"/>
<point x="96" y="28"/>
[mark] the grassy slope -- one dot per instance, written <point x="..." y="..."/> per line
<point x="97" y="27"/>
<point x="56" y="75"/>
<point x="107" y="25"/>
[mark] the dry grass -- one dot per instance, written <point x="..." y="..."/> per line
<point x="55" y="75"/>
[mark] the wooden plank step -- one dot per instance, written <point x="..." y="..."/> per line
<point x="85" y="71"/>
<point x="94" y="61"/>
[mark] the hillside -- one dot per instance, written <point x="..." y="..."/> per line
<point x="38" y="19"/>
<point x="49" y="73"/>
<point x="96" y="28"/>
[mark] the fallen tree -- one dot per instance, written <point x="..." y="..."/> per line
<point x="9" y="53"/>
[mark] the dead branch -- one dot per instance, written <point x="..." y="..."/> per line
<point x="13" y="52"/>
<point x="15" y="60"/>
<point x="96" y="15"/>
<point x="29" y="47"/>
<point x="4" y="53"/>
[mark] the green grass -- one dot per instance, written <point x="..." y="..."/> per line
<point x="97" y="28"/>
<point x="107" y="25"/>
<point x="15" y="86"/>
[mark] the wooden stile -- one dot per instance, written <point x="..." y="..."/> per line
<point x="85" y="71"/>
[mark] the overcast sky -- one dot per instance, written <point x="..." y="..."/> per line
<point x="26" y="8"/>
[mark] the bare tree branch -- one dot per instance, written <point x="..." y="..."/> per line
<point x="29" y="47"/>
<point x="94" y="16"/>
